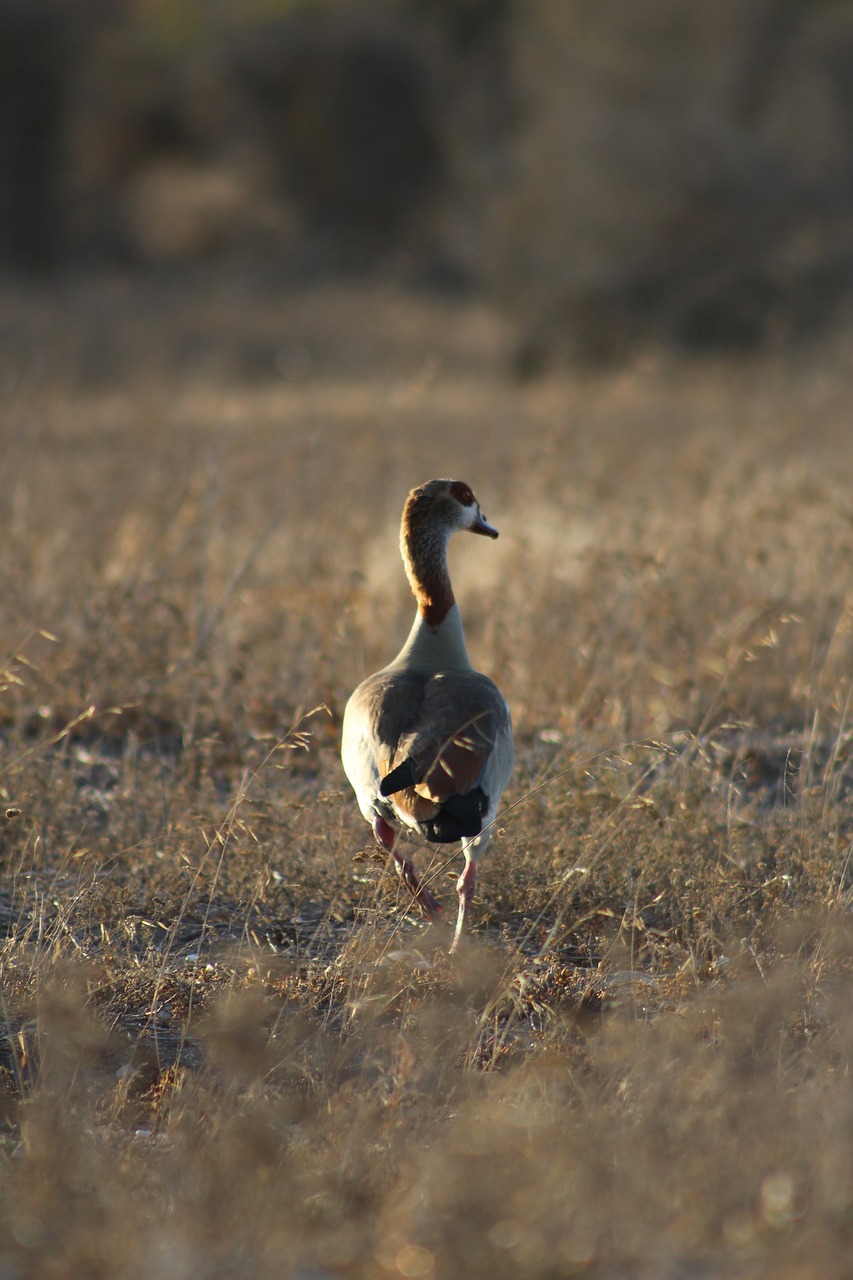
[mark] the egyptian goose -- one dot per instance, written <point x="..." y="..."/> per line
<point x="427" y="741"/>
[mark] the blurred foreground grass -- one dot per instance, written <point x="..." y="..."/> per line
<point x="229" y="1047"/>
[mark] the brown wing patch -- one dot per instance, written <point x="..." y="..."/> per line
<point x="451" y="765"/>
<point x="456" y="768"/>
<point x="409" y="804"/>
<point x="452" y="768"/>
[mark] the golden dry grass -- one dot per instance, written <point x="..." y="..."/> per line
<point x="229" y="1046"/>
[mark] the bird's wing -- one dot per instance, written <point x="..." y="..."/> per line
<point x="448" y="750"/>
<point x="381" y="709"/>
<point x="417" y="740"/>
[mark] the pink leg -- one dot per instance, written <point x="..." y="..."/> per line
<point x="465" y="886"/>
<point x="387" y="836"/>
<point x="384" y="833"/>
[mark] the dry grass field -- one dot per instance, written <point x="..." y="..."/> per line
<point x="230" y="1048"/>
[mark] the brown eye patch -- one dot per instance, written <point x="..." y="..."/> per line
<point x="462" y="493"/>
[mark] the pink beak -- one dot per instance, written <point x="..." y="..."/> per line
<point x="481" y="525"/>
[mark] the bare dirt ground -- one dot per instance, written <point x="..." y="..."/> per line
<point x="230" y="1047"/>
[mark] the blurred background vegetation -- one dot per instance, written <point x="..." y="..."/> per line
<point x="614" y="173"/>
<point x="264" y="266"/>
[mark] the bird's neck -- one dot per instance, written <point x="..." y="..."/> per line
<point x="435" y="648"/>
<point x="436" y="641"/>
<point x="424" y="551"/>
